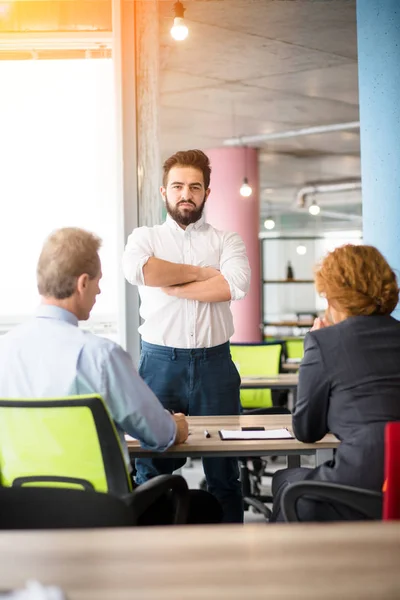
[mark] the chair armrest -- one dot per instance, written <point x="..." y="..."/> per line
<point x="366" y="502"/>
<point x="147" y="493"/>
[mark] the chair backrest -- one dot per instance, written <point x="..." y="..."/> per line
<point x="391" y="498"/>
<point x="61" y="442"/>
<point x="52" y="508"/>
<point x="256" y="359"/>
<point x="294" y="348"/>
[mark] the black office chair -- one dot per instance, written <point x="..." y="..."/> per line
<point x="367" y="503"/>
<point x="65" y="508"/>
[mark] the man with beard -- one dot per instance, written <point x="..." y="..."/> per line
<point x="187" y="273"/>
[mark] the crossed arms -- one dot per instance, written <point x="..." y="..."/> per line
<point x="204" y="284"/>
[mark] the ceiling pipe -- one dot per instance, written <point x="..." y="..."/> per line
<point x="265" y="137"/>
<point x="325" y="188"/>
<point x="333" y="214"/>
<point x="329" y="214"/>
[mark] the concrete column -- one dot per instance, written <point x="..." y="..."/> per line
<point x="378" y="30"/>
<point x="126" y="157"/>
<point x="226" y="209"/>
<point x="148" y="106"/>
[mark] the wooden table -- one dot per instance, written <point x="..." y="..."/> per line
<point x="283" y="381"/>
<point x="291" y="367"/>
<point x="224" y="562"/>
<point x="198" y="445"/>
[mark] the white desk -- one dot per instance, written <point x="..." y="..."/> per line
<point x="224" y="562"/>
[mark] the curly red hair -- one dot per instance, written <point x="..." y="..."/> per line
<point x="357" y="280"/>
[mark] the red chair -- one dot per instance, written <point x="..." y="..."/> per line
<point x="372" y="505"/>
<point x="391" y="496"/>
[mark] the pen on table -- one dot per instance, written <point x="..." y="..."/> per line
<point x="207" y="434"/>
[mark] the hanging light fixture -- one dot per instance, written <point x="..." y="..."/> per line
<point x="179" y="31"/>
<point x="245" y="189"/>
<point x="269" y="222"/>
<point x="314" y="209"/>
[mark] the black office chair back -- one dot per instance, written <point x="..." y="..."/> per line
<point x="61" y="508"/>
<point x="65" y="508"/>
<point x="366" y="503"/>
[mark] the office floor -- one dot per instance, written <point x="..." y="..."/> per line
<point x="193" y="473"/>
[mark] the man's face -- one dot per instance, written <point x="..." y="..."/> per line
<point x="185" y="195"/>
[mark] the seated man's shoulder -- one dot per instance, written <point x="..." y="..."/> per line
<point x="20" y="331"/>
<point x="98" y="343"/>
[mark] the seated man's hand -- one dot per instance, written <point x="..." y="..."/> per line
<point x="182" y="428"/>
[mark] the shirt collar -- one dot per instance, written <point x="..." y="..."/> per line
<point x="174" y="225"/>
<point x="49" y="311"/>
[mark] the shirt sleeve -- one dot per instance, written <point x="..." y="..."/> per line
<point x="234" y="265"/>
<point x="137" y="252"/>
<point x="133" y="405"/>
<point x="313" y="392"/>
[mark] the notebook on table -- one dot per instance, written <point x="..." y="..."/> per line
<point x="268" y="434"/>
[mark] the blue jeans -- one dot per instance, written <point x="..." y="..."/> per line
<point x="198" y="382"/>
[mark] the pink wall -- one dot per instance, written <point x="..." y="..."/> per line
<point x="226" y="209"/>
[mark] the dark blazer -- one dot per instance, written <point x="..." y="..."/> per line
<point x="349" y="384"/>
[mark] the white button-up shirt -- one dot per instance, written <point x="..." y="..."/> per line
<point x="177" y="322"/>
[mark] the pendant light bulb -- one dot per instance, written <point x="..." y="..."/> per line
<point x="314" y="209"/>
<point x="245" y="188"/>
<point x="179" y="31"/>
<point x="269" y="223"/>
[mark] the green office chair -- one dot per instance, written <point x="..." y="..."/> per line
<point x="61" y="442"/>
<point x="295" y="348"/>
<point x="72" y="443"/>
<point x="256" y="359"/>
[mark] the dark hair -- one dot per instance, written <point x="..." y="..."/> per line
<point x="358" y="280"/>
<point x="188" y="158"/>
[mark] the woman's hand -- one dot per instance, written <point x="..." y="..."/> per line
<point x="319" y="323"/>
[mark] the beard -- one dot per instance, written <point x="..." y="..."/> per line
<point x="183" y="216"/>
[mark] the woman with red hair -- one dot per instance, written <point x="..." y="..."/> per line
<point x="349" y="378"/>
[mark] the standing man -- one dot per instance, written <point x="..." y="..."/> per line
<point x="188" y="273"/>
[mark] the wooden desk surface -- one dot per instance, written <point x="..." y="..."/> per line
<point x="198" y="445"/>
<point x="281" y="381"/>
<point x="225" y="562"/>
<point x="291" y="367"/>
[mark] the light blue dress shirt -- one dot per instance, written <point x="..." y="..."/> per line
<point x="49" y="357"/>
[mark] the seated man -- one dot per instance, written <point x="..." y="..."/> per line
<point x="49" y="356"/>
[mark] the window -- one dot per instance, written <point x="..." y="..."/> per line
<point x="57" y="169"/>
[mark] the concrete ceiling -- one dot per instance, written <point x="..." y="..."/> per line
<point x="248" y="67"/>
<point x="254" y="67"/>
